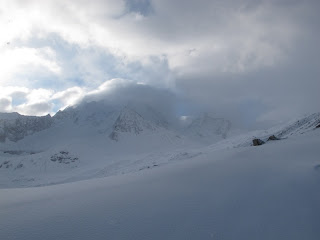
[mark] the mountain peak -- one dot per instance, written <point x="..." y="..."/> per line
<point x="129" y="121"/>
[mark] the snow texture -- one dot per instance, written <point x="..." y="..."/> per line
<point x="125" y="172"/>
<point x="266" y="192"/>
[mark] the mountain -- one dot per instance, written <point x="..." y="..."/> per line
<point x="14" y="127"/>
<point x="94" y="118"/>
<point x="130" y="121"/>
<point x="93" y="137"/>
<point x="96" y="139"/>
<point x="296" y="127"/>
<point x="208" y="129"/>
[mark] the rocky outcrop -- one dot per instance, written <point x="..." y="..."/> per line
<point x="130" y="121"/>
<point x="257" y="142"/>
<point x="305" y="124"/>
<point x="17" y="128"/>
<point x="273" y="138"/>
<point x="63" y="157"/>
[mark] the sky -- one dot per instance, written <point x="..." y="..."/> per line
<point x="255" y="62"/>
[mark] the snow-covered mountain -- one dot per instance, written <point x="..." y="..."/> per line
<point x="129" y="121"/>
<point x="295" y="127"/>
<point x="96" y="140"/>
<point x="91" y="137"/>
<point x="208" y="128"/>
<point x="99" y="118"/>
<point x="14" y="127"/>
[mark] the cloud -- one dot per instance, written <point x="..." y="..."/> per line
<point x="115" y="92"/>
<point x="239" y="31"/>
<point x="68" y="97"/>
<point x="212" y="36"/>
<point x="34" y="109"/>
<point x="121" y="92"/>
<point x="24" y="59"/>
<point x="239" y="58"/>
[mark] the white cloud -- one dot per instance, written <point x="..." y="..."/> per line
<point x="43" y="101"/>
<point x="242" y="43"/>
<point x="217" y="51"/>
<point x="39" y="95"/>
<point x="29" y="101"/>
<point x="34" y="109"/>
<point x="18" y="60"/>
<point x="69" y="96"/>
<point x="116" y="91"/>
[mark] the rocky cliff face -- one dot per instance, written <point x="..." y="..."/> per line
<point x="300" y="126"/>
<point x="113" y="121"/>
<point x="130" y="121"/>
<point x="16" y="127"/>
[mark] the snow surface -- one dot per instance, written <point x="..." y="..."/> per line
<point x="265" y="192"/>
<point x="107" y="172"/>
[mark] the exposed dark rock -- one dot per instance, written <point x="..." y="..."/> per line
<point x="21" y="126"/>
<point x="129" y="121"/>
<point x="257" y="142"/>
<point x="20" y="165"/>
<point x="318" y="126"/>
<point x="9" y="165"/>
<point x="114" y="136"/>
<point x="272" y="138"/>
<point x="63" y="157"/>
<point x="14" y="152"/>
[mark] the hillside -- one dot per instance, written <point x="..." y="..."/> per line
<point x="94" y="140"/>
<point x="267" y="192"/>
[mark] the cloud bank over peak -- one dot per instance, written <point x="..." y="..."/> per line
<point x="246" y="58"/>
<point x="115" y="92"/>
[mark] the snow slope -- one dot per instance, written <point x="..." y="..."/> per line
<point x="92" y="140"/>
<point x="295" y="127"/>
<point x="104" y="141"/>
<point x="265" y="192"/>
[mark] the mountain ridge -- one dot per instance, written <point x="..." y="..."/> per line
<point x="82" y="145"/>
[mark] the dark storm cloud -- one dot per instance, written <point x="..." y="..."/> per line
<point x="267" y="93"/>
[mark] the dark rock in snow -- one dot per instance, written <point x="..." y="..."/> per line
<point x="129" y="121"/>
<point x="15" y="127"/>
<point x="318" y="126"/>
<point x="257" y="142"/>
<point x="63" y="157"/>
<point x="20" y="165"/>
<point x="114" y="136"/>
<point x="272" y="138"/>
